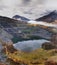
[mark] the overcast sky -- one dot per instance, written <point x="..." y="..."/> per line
<point x="27" y="8"/>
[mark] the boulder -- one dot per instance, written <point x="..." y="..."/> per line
<point x="48" y="46"/>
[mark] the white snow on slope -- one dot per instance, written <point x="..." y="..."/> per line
<point x="43" y="23"/>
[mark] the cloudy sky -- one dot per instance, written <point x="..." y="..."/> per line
<point x="28" y="8"/>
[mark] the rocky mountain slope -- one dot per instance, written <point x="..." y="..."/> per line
<point x="19" y="30"/>
<point x="50" y="17"/>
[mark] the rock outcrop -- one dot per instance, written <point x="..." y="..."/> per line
<point x="48" y="46"/>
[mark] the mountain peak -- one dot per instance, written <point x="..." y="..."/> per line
<point x="51" y="17"/>
<point x="22" y="18"/>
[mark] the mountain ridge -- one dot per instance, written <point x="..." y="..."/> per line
<point x="51" y="17"/>
<point x="22" y="18"/>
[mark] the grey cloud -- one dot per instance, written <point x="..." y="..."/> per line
<point x="29" y="8"/>
<point x="2" y="7"/>
<point x="26" y="2"/>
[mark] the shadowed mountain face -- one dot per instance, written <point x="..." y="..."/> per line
<point x="18" y="17"/>
<point x="51" y="17"/>
<point x="6" y="22"/>
<point x="9" y="28"/>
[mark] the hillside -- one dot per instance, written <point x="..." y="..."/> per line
<point x="18" y="30"/>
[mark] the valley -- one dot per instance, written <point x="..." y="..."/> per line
<point x="21" y="42"/>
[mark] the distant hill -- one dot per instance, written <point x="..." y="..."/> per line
<point x="51" y="17"/>
<point x="9" y="22"/>
<point x="18" y="17"/>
